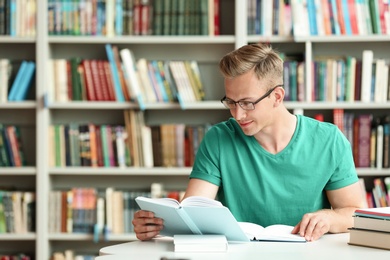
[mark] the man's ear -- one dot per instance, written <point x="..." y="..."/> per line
<point x="279" y="95"/>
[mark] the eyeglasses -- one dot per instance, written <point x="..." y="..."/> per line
<point x="246" y="105"/>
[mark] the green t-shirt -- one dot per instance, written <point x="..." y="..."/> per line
<point x="265" y="188"/>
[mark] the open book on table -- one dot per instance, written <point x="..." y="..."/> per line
<point x="200" y="215"/>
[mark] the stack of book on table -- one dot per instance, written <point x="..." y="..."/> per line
<point x="371" y="228"/>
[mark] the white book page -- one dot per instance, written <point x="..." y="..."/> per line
<point x="277" y="232"/>
<point x="198" y="201"/>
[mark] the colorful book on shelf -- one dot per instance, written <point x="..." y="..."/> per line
<point x="25" y="83"/>
<point x="115" y="74"/>
<point x="17" y="81"/>
<point x="131" y="73"/>
<point x="187" y="217"/>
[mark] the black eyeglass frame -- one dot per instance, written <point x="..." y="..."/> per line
<point x="253" y="103"/>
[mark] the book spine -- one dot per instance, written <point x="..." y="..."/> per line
<point x="115" y="75"/>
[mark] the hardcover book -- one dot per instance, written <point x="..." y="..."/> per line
<point x="368" y="238"/>
<point x="188" y="217"/>
<point x="378" y="224"/>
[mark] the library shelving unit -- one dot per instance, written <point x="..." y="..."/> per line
<point x="36" y="115"/>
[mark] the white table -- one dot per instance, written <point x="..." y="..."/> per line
<point x="329" y="247"/>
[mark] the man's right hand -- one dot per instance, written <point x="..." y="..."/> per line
<point x="146" y="225"/>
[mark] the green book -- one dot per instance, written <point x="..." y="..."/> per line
<point x="76" y="80"/>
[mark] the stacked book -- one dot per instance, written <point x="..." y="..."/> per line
<point x="371" y="228"/>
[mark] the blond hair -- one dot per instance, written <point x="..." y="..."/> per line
<point x="265" y="61"/>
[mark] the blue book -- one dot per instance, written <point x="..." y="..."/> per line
<point x="159" y="80"/>
<point x="16" y="83"/>
<point x="26" y="82"/>
<point x="115" y="75"/>
<point x="311" y="9"/>
<point x="182" y="219"/>
<point x="118" y="17"/>
<point x="347" y="17"/>
<point x="188" y="217"/>
<point x="334" y="17"/>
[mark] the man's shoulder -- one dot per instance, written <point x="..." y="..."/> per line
<point x="229" y="125"/>
<point x="314" y="123"/>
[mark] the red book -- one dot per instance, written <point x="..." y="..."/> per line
<point x="364" y="140"/>
<point x="352" y="16"/>
<point x="69" y="79"/>
<point x="103" y="80"/>
<point x="379" y="212"/>
<point x="338" y="118"/>
<point x="110" y="83"/>
<point x="326" y="14"/>
<point x="91" y="96"/>
<point x="145" y="19"/>
<point x="216" y="17"/>
<point x="12" y="137"/>
<point x="319" y="117"/>
<point x="340" y="16"/>
<point x="97" y="86"/>
<point x="382" y="10"/>
<point x="137" y="17"/>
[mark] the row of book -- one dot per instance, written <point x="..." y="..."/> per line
<point x="371" y="228"/>
<point x="16" y="78"/>
<point x="135" y="17"/>
<point x="92" y="211"/>
<point x="167" y="145"/>
<point x="18" y="17"/>
<point x="20" y="256"/>
<point x="341" y="78"/>
<point x="369" y="136"/>
<point x="121" y="78"/>
<point x="378" y="195"/>
<point x="11" y="148"/>
<point x="17" y="211"/>
<point x="340" y="17"/>
<point x="269" y="17"/>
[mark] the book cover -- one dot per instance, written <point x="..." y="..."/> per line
<point x="187" y="217"/>
<point x="17" y="81"/>
<point x="368" y="238"/>
<point x="25" y="83"/>
<point x="130" y="70"/>
<point x="364" y="134"/>
<point x="367" y="60"/>
<point x="114" y="73"/>
<point x="96" y="83"/>
<point x="368" y="223"/>
<point x="353" y="16"/>
<point x="88" y="78"/>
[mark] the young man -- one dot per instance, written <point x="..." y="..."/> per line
<point x="267" y="165"/>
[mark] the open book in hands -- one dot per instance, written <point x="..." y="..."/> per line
<point x="201" y="215"/>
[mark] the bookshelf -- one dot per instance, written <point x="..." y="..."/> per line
<point x="37" y="113"/>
